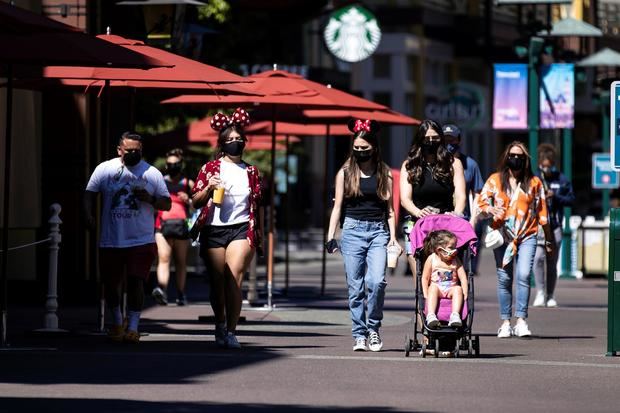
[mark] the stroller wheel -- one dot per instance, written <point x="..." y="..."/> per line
<point x="470" y="347"/>
<point x="477" y="346"/>
<point x="407" y="345"/>
<point x="436" y="347"/>
<point x="457" y="348"/>
<point x="423" y="350"/>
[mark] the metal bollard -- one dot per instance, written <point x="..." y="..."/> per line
<point x="51" y="304"/>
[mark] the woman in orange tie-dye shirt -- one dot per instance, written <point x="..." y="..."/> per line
<point x="515" y="199"/>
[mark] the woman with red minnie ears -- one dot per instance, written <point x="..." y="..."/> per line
<point x="364" y="199"/>
<point x="230" y="230"/>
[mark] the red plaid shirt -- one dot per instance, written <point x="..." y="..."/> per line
<point x="213" y="168"/>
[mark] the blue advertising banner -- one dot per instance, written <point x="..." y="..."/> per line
<point x="557" y="96"/>
<point x="510" y="96"/>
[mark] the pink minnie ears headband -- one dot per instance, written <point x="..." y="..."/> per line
<point x="240" y="118"/>
<point x="367" y="125"/>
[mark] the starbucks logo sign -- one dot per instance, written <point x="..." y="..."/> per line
<point x="352" y="34"/>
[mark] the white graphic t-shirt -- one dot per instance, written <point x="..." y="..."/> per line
<point x="126" y="221"/>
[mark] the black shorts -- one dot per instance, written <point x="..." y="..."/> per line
<point x="213" y="236"/>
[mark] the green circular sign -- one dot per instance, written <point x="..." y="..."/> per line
<point x="352" y="34"/>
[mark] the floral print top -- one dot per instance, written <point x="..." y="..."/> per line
<point x="213" y="168"/>
<point x="524" y="211"/>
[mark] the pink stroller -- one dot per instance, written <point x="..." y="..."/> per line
<point x="443" y="338"/>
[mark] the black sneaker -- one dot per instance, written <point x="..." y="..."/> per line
<point x="160" y="296"/>
<point x="181" y="299"/>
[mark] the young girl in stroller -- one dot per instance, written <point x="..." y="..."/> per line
<point x="444" y="286"/>
<point x="443" y="276"/>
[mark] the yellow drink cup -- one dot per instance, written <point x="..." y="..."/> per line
<point x="218" y="195"/>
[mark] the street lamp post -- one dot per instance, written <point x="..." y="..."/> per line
<point x="534" y="50"/>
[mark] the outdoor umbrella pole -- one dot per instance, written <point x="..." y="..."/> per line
<point x="325" y="203"/>
<point x="5" y="210"/>
<point x="270" y="251"/>
<point x="108" y="116"/>
<point x="286" y="219"/>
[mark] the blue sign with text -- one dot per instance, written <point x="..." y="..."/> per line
<point x="603" y="175"/>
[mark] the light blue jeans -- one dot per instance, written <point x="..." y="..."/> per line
<point x="524" y="258"/>
<point x="364" y="249"/>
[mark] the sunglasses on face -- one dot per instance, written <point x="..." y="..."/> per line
<point x="516" y="155"/>
<point x="448" y="252"/>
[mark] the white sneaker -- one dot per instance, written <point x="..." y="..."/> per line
<point x="521" y="329"/>
<point x="360" y="344"/>
<point x="504" y="331"/>
<point x="432" y="321"/>
<point x="539" y="301"/>
<point x="455" y="320"/>
<point x="232" y="342"/>
<point x="552" y="303"/>
<point x="374" y="341"/>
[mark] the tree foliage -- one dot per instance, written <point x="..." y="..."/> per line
<point x="218" y="10"/>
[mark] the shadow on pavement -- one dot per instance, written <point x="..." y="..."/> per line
<point x="104" y="405"/>
<point x="150" y="362"/>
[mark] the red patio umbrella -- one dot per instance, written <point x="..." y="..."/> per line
<point x="282" y="90"/>
<point x="181" y="68"/>
<point x="382" y="116"/>
<point x="181" y="74"/>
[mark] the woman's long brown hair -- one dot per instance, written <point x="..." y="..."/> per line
<point x="416" y="161"/>
<point x="352" y="172"/>
<point x="505" y="171"/>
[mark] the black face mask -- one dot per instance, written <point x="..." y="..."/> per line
<point x="430" y="148"/>
<point x="516" y="164"/>
<point x="234" y="148"/>
<point x="174" y="169"/>
<point x="132" y="158"/>
<point x="362" y="156"/>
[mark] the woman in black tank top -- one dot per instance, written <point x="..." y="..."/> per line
<point x="364" y="197"/>
<point x="432" y="181"/>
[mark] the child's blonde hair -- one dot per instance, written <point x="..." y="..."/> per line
<point x="436" y="239"/>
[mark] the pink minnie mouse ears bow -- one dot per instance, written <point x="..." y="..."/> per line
<point x="358" y="125"/>
<point x="240" y="118"/>
<point x="361" y="125"/>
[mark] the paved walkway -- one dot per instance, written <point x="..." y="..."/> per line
<point x="298" y="357"/>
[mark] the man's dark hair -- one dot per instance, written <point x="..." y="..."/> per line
<point x="131" y="136"/>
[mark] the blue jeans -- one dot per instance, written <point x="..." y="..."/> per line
<point x="524" y="261"/>
<point x="364" y="249"/>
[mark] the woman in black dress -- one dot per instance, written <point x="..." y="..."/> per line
<point x="431" y="180"/>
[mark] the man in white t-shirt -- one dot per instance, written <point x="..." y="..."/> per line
<point x="131" y="192"/>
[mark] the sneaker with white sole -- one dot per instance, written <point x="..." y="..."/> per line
<point x="552" y="303"/>
<point x="455" y="320"/>
<point x="521" y="329"/>
<point x="160" y="296"/>
<point x="539" y="301"/>
<point x="374" y="341"/>
<point x="432" y="321"/>
<point x="504" y="331"/>
<point x="360" y="344"/>
<point x="232" y="342"/>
